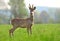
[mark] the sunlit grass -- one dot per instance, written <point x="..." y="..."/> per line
<point x="40" y="32"/>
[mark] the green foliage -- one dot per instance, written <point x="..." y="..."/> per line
<point x="18" y="8"/>
<point x="40" y="32"/>
<point x="36" y="17"/>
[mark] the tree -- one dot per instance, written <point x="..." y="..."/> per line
<point x="57" y="15"/>
<point x="18" y="8"/>
<point x="3" y="19"/>
<point x="44" y="17"/>
<point x="51" y="20"/>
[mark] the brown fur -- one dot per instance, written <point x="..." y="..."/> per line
<point x="23" y="23"/>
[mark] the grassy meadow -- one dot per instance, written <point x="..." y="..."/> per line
<point x="40" y="32"/>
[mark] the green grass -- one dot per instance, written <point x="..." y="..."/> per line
<point x="40" y="32"/>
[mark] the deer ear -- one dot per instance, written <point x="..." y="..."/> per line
<point x="34" y="8"/>
<point x="29" y="6"/>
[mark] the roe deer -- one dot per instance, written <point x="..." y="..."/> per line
<point x="23" y="23"/>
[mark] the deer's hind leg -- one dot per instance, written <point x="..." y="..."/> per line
<point x="28" y="30"/>
<point x="12" y="30"/>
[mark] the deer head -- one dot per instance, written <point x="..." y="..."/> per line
<point x="31" y="8"/>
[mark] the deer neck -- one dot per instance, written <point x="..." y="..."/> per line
<point x="31" y="17"/>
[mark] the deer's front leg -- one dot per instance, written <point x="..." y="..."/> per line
<point x="12" y="30"/>
<point x="30" y="30"/>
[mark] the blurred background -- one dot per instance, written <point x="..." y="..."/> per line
<point x="46" y="11"/>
